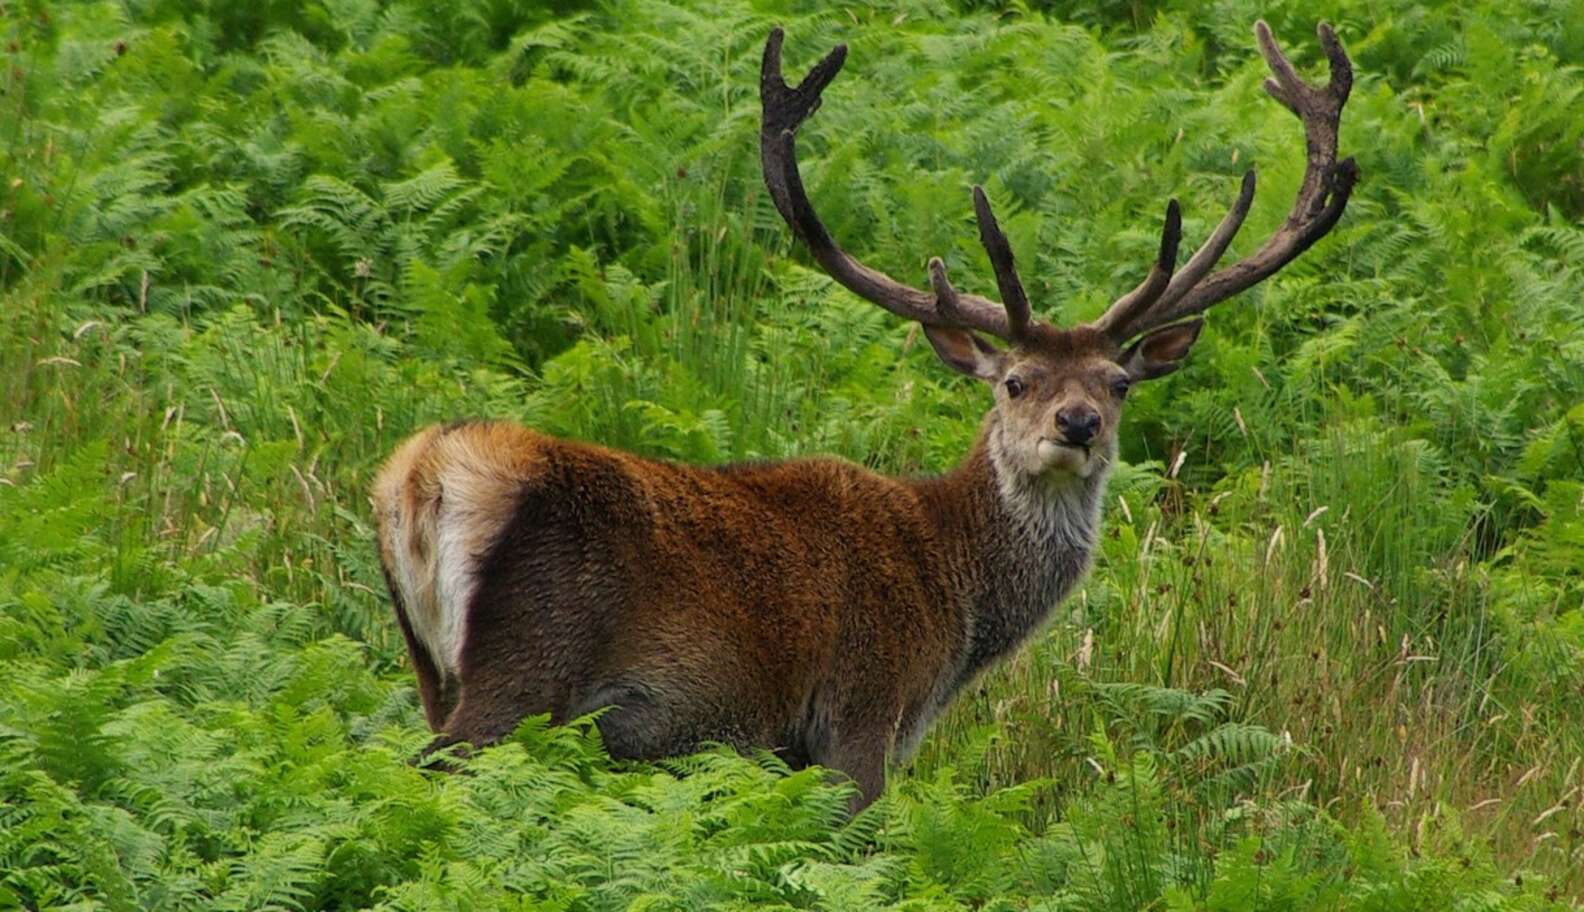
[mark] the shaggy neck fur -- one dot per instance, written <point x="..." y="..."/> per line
<point x="1033" y="542"/>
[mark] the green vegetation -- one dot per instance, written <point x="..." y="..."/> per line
<point x="1332" y="655"/>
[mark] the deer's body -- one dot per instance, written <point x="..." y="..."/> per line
<point x="812" y="606"/>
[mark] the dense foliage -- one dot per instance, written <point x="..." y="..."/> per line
<point x="1333" y="652"/>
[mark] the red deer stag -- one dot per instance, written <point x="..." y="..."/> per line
<point x="810" y="606"/>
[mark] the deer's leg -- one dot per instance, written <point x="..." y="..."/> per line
<point x="436" y="692"/>
<point x="489" y="704"/>
<point x="476" y="722"/>
<point x="448" y="693"/>
<point x="861" y="755"/>
<point x="644" y="723"/>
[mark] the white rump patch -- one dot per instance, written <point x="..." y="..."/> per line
<point x="445" y="497"/>
<point x="434" y="569"/>
<point x="457" y="580"/>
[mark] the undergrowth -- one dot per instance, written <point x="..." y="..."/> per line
<point x="1330" y="656"/>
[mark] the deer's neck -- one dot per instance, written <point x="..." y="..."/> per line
<point x="1025" y="543"/>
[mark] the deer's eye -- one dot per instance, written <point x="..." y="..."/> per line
<point x="1119" y="386"/>
<point x="1014" y="387"/>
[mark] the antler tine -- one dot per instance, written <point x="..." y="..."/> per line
<point x="946" y="297"/>
<point x="1321" y="199"/>
<point x="1205" y="258"/>
<point x="785" y="109"/>
<point x="1126" y="309"/>
<point x="995" y="244"/>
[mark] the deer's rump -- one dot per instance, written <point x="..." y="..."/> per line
<point x="757" y="605"/>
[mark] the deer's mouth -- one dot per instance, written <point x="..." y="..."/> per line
<point x="1065" y="444"/>
<point x="1063" y="454"/>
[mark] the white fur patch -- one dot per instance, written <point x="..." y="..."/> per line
<point x="443" y="499"/>
<point x="1058" y="509"/>
<point x="427" y="598"/>
<point x="456" y="583"/>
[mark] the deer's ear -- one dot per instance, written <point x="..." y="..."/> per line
<point x="1160" y="352"/>
<point x="965" y="352"/>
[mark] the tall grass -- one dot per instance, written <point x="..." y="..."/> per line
<point x="1329" y="655"/>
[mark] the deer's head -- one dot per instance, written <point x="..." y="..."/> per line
<point x="1059" y="392"/>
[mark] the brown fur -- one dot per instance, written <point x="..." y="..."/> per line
<point x="810" y="606"/>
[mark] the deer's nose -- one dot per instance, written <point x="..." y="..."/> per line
<point x="1078" y="424"/>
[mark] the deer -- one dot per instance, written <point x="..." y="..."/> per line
<point x="809" y="607"/>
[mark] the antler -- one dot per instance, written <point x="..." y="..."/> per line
<point x="785" y="109"/>
<point x="1321" y="198"/>
<point x="1130" y="306"/>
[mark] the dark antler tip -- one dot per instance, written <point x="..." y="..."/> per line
<point x="986" y="215"/>
<point x="1171" y="236"/>
<point x="824" y="71"/>
<point x="1341" y="67"/>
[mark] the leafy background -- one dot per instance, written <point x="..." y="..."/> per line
<point x="1330" y="655"/>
